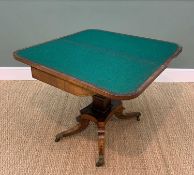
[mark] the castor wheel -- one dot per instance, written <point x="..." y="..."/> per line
<point x="57" y="139"/>
<point x="138" y="116"/>
<point x="100" y="161"/>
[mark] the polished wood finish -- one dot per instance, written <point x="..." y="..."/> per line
<point x="119" y="114"/>
<point x="101" y="143"/>
<point x="99" y="111"/>
<point x="92" y="89"/>
<point x="59" y="83"/>
<point x="76" y="129"/>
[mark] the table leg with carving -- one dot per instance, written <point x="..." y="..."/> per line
<point x="101" y="143"/>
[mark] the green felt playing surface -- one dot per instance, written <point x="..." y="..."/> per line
<point x="117" y="63"/>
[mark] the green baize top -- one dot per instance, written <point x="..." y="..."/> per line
<point x="117" y="63"/>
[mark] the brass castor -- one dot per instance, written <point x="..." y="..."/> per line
<point x="138" y="117"/>
<point x="100" y="161"/>
<point x="57" y="139"/>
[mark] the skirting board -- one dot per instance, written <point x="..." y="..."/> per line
<point x="169" y="75"/>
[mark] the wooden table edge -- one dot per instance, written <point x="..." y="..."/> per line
<point x="92" y="89"/>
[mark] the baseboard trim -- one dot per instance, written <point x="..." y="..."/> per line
<point x="169" y="75"/>
<point x="176" y="75"/>
<point x="15" y="73"/>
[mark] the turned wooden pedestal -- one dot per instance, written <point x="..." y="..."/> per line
<point x="99" y="111"/>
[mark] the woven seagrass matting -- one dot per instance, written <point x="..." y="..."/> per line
<point x="31" y="113"/>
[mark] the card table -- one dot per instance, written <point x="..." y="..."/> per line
<point x="108" y="66"/>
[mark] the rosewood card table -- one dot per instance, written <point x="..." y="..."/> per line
<point x="108" y="66"/>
